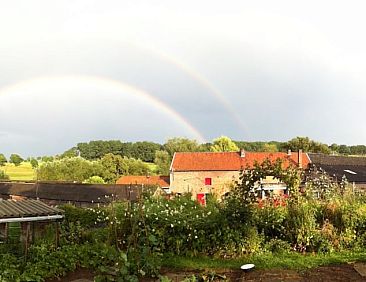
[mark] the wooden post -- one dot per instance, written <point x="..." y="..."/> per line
<point x="57" y="234"/>
<point x="33" y="233"/>
<point x="6" y="232"/>
<point x="27" y="240"/>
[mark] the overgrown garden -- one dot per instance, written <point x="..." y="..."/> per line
<point x="125" y="241"/>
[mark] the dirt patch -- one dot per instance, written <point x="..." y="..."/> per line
<point x="79" y="275"/>
<point x="344" y="272"/>
<point x="334" y="273"/>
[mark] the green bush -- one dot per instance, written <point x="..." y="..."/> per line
<point x="278" y="246"/>
<point x="300" y="224"/>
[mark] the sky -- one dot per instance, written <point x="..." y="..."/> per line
<point x="75" y="71"/>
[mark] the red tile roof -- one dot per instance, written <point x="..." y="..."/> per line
<point x="227" y="161"/>
<point x="162" y="181"/>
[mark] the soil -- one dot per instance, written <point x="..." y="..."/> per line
<point x="334" y="273"/>
<point x="79" y="275"/>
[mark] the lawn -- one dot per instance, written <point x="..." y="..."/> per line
<point x="23" y="172"/>
<point x="294" y="261"/>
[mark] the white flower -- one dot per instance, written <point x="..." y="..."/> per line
<point x="171" y="225"/>
<point x="196" y="237"/>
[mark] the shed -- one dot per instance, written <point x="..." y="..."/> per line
<point x="26" y="213"/>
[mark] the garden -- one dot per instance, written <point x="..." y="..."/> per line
<point x="322" y="223"/>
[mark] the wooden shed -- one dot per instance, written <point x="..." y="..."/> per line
<point x="25" y="214"/>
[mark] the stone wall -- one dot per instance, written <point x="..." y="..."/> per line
<point x="194" y="182"/>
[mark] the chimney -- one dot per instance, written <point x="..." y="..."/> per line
<point x="242" y="153"/>
<point x="300" y="158"/>
<point x="289" y="152"/>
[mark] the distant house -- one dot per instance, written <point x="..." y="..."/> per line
<point x="353" y="168"/>
<point x="201" y="173"/>
<point x="158" y="180"/>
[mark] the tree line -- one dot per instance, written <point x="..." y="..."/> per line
<point x="101" y="161"/>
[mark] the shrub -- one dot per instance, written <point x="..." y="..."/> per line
<point x="3" y="175"/>
<point x="300" y="224"/>
<point x="278" y="246"/>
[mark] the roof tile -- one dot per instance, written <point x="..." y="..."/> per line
<point x="227" y="161"/>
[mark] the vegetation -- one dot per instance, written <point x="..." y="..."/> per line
<point x="15" y="159"/>
<point x="3" y="175"/>
<point x="69" y="169"/>
<point x="3" y="160"/>
<point x="22" y="172"/>
<point x="224" y="144"/>
<point x="124" y="241"/>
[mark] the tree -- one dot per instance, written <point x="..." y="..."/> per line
<point x="69" y="169"/>
<point x="269" y="148"/>
<point x="94" y="180"/>
<point x="162" y="160"/>
<point x="73" y="152"/>
<point x="344" y="149"/>
<point x="15" y="159"/>
<point x="3" y="160"/>
<point x="144" y="151"/>
<point x="34" y="163"/>
<point x="299" y="143"/>
<point x="181" y="145"/>
<point x="238" y="204"/>
<point x="307" y="145"/>
<point x="3" y="175"/>
<point x="224" y="144"/>
<point x="47" y="158"/>
<point x="114" y="166"/>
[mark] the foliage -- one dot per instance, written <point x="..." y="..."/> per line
<point x="69" y="169"/>
<point x="300" y="224"/>
<point x="162" y="160"/>
<point x="127" y="240"/>
<point x="240" y="203"/>
<point x="181" y="145"/>
<point x="15" y="159"/>
<point x="47" y="159"/>
<point x="224" y="144"/>
<point x="94" y="150"/>
<point x="307" y="145"/>
<point x="115" y="166"/>
<point x="3" y="159"/>
<point x="22" y="172"/>
<point x="321" y="185"/>
<point x="33" y="162"/>
<point x="94" y="180"/>
<point x="3" y="175"/>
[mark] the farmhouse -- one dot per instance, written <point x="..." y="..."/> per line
<point x="202" y="173"/>
<point x="158" y="180"/>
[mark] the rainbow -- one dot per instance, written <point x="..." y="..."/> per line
<point x="108" y="83"/>
<point x="198" y="77"/>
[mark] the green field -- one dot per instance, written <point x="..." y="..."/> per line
<point x="22" y="172"/>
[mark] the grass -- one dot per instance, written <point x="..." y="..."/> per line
<point x="22" y="172"/>
<point x="294" y="261"/>
<point x="153" y="167"/>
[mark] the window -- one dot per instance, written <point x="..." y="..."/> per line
<point x="208" y="181"/>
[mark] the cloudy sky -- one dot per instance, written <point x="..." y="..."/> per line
<point x="73" y="71"/>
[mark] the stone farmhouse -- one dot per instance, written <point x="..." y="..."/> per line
<point x="202" y="173"/>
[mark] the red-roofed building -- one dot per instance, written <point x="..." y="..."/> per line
<point x="161" y="181"/>
<point x="216" y="172"/>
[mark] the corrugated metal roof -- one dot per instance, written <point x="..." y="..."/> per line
<point x="26" y="208"/>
